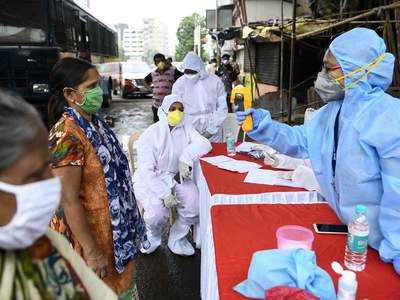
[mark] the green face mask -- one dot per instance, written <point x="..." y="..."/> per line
<point x="92" y="100"/>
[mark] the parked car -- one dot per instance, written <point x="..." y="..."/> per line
<point x="133" y="84"/>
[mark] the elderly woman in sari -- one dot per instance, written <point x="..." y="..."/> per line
<point x="35" y="262"/>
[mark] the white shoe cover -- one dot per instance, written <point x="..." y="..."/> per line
<point x="154" y="238"/>
<point x="177" y="241"/>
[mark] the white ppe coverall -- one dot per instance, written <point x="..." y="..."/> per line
<point x="159" y="152"/>
<point x="204" y="98"/>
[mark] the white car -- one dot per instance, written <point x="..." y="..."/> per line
<point x="133" y="84"/>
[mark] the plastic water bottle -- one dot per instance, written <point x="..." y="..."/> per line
<point x="230" y="143"/>
<point x="357" y="241"/>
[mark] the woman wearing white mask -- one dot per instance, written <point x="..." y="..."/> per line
<point x="35" y="262"/>
<point x="165" y="149"/>
<point x="204" y="98"/>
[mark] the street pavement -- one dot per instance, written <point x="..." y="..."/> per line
<point x="160" y="275"/>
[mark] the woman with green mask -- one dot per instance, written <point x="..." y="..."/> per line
<point x="98" y="212"/>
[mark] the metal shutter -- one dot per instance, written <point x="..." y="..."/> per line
<point x="267" y="63"/>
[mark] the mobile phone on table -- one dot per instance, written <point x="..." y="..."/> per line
<point x="330" y="229"/>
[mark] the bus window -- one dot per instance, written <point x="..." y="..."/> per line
<point x="12" y="34"/>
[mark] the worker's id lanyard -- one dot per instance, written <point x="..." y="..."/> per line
<point x="334" y="155"/>
<point x="335" y="142"/>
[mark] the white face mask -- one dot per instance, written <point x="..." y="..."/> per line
<point x="192" y="77"/>
<point x="36" y="204"/>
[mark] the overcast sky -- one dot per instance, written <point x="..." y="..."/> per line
<point x="133" y="11"/>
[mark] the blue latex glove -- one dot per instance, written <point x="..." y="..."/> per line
<point x="396" y="265"/>
<point x="257" y="115"/>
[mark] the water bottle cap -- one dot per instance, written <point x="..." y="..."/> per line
<point x="337" y="267"/>
<point x="361" y="209"/>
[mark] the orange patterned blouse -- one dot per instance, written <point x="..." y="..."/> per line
<point x="70" y="147"/>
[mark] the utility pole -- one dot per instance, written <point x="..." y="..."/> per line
<point x="292" y="49"/>
<point x="281" y="62"/>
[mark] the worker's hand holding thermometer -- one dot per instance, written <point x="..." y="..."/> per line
<point x="257" y="116"/>
<point x="243" y="104"/>
<point x="241" y="98"/>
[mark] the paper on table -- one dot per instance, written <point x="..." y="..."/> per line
<point x="246" y="147"/>
<point x="267" y="177"/>
<point x="240" y="166"/>
<point x="215" y="160"/>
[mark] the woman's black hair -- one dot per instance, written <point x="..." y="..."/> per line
<point x="67" y="73"/>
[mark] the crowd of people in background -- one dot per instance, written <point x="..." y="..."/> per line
<point x="69" y="213"/>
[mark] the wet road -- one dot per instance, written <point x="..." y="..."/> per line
<point x="160" y="275"/>
<point x="130" y="116"/>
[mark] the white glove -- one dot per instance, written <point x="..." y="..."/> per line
<point x="305" y="177"/>
<point x="171" y="201"/>
<point x="271" y="160"/>
<point x="184" y="170"/>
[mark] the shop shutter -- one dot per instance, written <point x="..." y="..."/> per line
<point x="267" y="62"/>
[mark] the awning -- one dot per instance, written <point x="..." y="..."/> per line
<point x="272" y="33"/>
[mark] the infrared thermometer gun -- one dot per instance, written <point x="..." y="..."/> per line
<point x="244" y="103"/>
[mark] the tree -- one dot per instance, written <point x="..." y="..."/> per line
<point x="185" y="35"/>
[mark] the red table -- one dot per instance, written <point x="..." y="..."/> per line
<point x="216" y="187"/>
<point x="225" y="182"/>
<point x="241" y="230"/>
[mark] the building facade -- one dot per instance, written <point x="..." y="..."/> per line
<point x="148" y="37"/>
<point x="156" y="36"/>
<point x="133" y="43"/>
<point x="120" y="27"/>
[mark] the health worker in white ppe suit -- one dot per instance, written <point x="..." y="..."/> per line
<point x="204" y="98"/>
<point x="166" y="149"/>
<point x="353" y="141"/>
